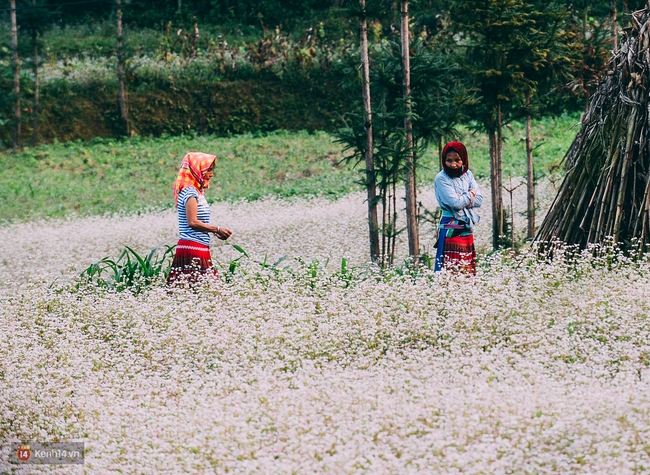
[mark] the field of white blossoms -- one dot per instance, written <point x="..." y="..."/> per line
<point x="531" y="367"/>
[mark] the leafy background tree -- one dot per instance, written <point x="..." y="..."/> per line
<point x="544" y="57"/>
<point x="439" y="100"/>
<point x="508" y="47"/>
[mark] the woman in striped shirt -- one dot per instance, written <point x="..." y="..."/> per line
<point x="192" y="258"/>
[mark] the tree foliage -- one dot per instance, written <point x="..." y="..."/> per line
<point x="510" y="48"/>
<point x="439" y="99"/>
<point x="507" y="47"/>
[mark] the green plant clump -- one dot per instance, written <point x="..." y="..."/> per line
<point x="129" y="271"/>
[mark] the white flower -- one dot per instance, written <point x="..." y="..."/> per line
<point x="530" y="367"/>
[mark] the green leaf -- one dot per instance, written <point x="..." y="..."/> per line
<point x="238" y="248"/>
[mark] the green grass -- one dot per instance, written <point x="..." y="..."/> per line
<point x="107" y="176"/>
<point x="127" y="176"/>
<point x="552" y="137"/>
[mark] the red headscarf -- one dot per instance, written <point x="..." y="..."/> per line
<point x="191" y="172"/>
<point x="460" y="149"/>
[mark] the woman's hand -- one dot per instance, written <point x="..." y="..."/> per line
<point x="191" y="207"/>
<point x="222" y="233"/>
<point x="472" y="194"/>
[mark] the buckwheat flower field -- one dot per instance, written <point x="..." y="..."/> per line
<point x="531" y="367"/>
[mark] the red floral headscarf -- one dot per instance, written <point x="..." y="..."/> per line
<point x="191" y="172"/>
<point x="460" y="149"/>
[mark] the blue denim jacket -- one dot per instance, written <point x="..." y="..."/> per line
<point x="454" y="198"/>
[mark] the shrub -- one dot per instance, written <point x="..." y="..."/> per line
<point x="129" y="271"/>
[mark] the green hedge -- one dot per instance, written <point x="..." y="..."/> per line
<point x="74" y="112"/>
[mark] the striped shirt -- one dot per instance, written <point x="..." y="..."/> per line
<point x="202" y="213"/>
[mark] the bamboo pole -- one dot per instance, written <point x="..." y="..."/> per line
<point x="16" y="65"/>
<point x="625" y="165"/>
<point x="605" y="194"/>
<point x="371" y="188"/>
<point x="392" y="223"/>
<point x="36" y="87"/>
<point x="530" y="172"/>
<point x="499" y="165"/>
<point x="120" y="72"/>
<point x="494" y="193"/>
<point x="410" y="183"/>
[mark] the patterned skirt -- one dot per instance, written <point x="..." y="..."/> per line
<point x="459" y="254"/>
<point x="456" y="250"/>
<point x="191" y="262"/>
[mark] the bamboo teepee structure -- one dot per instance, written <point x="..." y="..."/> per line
<point x="606" y="190"/>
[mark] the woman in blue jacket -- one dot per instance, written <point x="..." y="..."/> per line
<point x="458" y="196"/>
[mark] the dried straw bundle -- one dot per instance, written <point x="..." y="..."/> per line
<point x="606" y="190"/>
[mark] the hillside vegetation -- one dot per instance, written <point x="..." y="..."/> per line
<point x="257" y="66"/>
<point x="129" y="175"/>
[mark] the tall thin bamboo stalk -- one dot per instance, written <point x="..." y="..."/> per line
<point x="16" y="65"/>
<point x="494" y="188"/>
<point x="371" y="188"/>
<point x="120" y="71"/>
<point x="499" y="172"/>
<point x="37" y="86"/>
<point x="384" y="237"/>
<point x="530" y="172"/>
<point x="410" y="182"/>
<point x="394" y="223"/>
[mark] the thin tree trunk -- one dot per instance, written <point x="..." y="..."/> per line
<point x="530" y="176"/>
<point x="499" y="164"/>
<point x="371" y="187"/>
<point x="394" y="226"/>
<point x="415" y="178"/>
<point x="36" y="90"/>
<point x="16" y="64"/>
<point x="411" y="200"/>
<point x="384" y="252"/>
<point x="389" y="227"/>
<point x="510" y="191"/>
<point x="120" y="71"/>
<point x="494" y="186"/>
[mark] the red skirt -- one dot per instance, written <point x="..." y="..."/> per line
<point x="191" y="262"/>
<point x="459" y="254"/>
